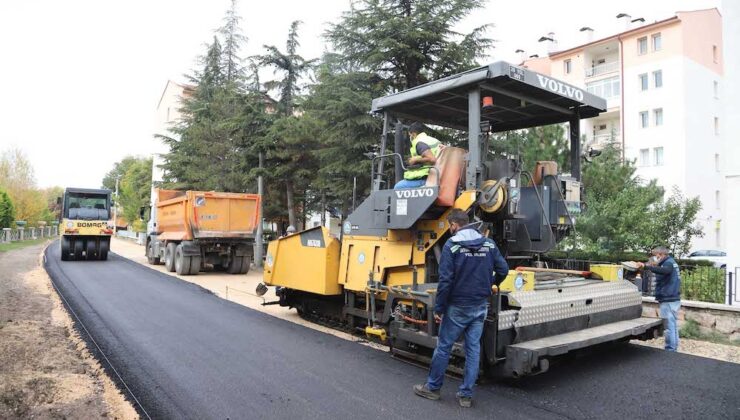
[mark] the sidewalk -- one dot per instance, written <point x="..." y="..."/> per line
<point x="237" y="288"/>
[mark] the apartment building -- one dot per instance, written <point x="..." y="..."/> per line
<point x="663" y="86"/>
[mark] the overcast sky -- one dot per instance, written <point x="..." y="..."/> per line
<point x="80" y="80"/>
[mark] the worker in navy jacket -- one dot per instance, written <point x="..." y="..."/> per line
<point x="470" y="265"/>
<point x="667" y="292"/>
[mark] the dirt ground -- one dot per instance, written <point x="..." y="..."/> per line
<point x="240" y="289"/>
<point x="46" y="370"/>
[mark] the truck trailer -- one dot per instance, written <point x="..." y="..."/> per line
<point x="188" y="230"/>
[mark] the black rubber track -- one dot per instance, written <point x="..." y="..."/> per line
<point x="186" y="353"/>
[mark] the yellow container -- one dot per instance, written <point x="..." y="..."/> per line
<point x="608" y="272"/>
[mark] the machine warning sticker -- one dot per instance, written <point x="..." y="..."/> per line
<point x="200" y="201"/>
<point x="315" y="243"/>
<point x="516" y="73"/>
<point x="402" y="207"/>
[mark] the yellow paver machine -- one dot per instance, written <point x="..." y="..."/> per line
<point x="380" y="276"/>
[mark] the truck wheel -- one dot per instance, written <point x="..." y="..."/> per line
<point x="169" y="257"/>
<point x="65" y="248"/>
<point x="235" y="265"/>
<point x="104" y="248"/>
<point x="181" y="262"/>
<point x="90" y="250"/>
<point x="246" y="261"/>
<point x="185" y="265"/>
<point x="78" y="249"/>
<point x="194" y="265"/>
<point x="150" y="258"/>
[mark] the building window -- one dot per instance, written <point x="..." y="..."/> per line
<point x="716" y="162"/>
<point x="568" y="66"/>
<point x="644" y="157"/>
<point x="658" y="78"/>
<point x="658" y="156"/>
<point x="658" y="116"/>
<point x="606" y="88"/>
<point x="643" y="119"/>
<point x="716" y="125"/>
<point x="716" y="199"/>
<point x="642" y="46"/>
<point x="716" y="89"/>
<point x="715" y="54"/>
<point x="657" y="42"/>
<point x="643" y="81"/>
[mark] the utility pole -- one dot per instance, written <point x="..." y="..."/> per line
<point x="115" y="210"/>
<point x="260" y="191"/>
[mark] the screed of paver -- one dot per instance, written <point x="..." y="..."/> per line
<point x="238" y="288"/>
<point x="46" y="370"/>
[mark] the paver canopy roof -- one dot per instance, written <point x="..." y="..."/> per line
<point x="521" y="98"/>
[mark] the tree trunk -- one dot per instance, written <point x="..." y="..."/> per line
<point x="291" y="205"/>
<point x="323" y="208"/>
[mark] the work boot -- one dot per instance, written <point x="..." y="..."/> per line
<point x="465" y="402"/>
<point x="424" y="391"/>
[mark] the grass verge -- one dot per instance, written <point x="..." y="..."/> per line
<point x="21" y="244"/>
<point x="690" y="329"/>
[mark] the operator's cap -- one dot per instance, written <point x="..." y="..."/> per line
<point x="291" y="229"/>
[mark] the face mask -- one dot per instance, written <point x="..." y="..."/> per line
<point x="655" y="258"/>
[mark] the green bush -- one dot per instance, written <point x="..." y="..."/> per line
<point x="706" y="284"/>
<point x="7" y="211"/>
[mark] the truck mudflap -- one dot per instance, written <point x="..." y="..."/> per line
<point x="532" y="357"/>
<point x="190" y="249"/>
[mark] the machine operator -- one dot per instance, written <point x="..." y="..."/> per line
<point x="424" y="152"/>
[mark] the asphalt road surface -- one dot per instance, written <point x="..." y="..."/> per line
<point x="186" y="353"/>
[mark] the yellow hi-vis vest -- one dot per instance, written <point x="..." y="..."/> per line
<point x="433" y="144"/>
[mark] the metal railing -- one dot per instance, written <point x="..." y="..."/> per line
<point x="698" y="282"/>
<point x="8" y="235"/>
<point x="604" y="68"/>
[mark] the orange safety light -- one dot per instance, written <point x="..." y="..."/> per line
<point x="487" y="103"/>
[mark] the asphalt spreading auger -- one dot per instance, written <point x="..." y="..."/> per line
<point x="381" y="275"/>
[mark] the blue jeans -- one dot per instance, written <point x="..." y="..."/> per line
<point x="410" y="183"/>
<point x="458" y="320"/>
<point x="669" y="313"/>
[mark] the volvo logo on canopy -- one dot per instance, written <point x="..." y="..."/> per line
<point x="560" y="87"/>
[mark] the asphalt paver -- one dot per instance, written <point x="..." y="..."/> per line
<point x="186" y="353"/>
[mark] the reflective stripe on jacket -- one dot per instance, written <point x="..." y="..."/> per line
<point x="433" y="144"/>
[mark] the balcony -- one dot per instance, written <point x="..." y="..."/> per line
<point x="601" y="140"/>
<point x="603" y="68"/>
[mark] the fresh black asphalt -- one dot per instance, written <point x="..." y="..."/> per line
<point x="186" y="353"/>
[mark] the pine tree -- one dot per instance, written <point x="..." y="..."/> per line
<point x="340" y="103"/>
<point x="213" y="146"/>
<point x="409" y="42"/>
<point x="287" y="151"/>
<point x="234" y="39"/>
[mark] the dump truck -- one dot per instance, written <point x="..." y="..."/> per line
<point x="85" y="226"/>
<point x="188" y="230"/>
<point x="380" y="275"/>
